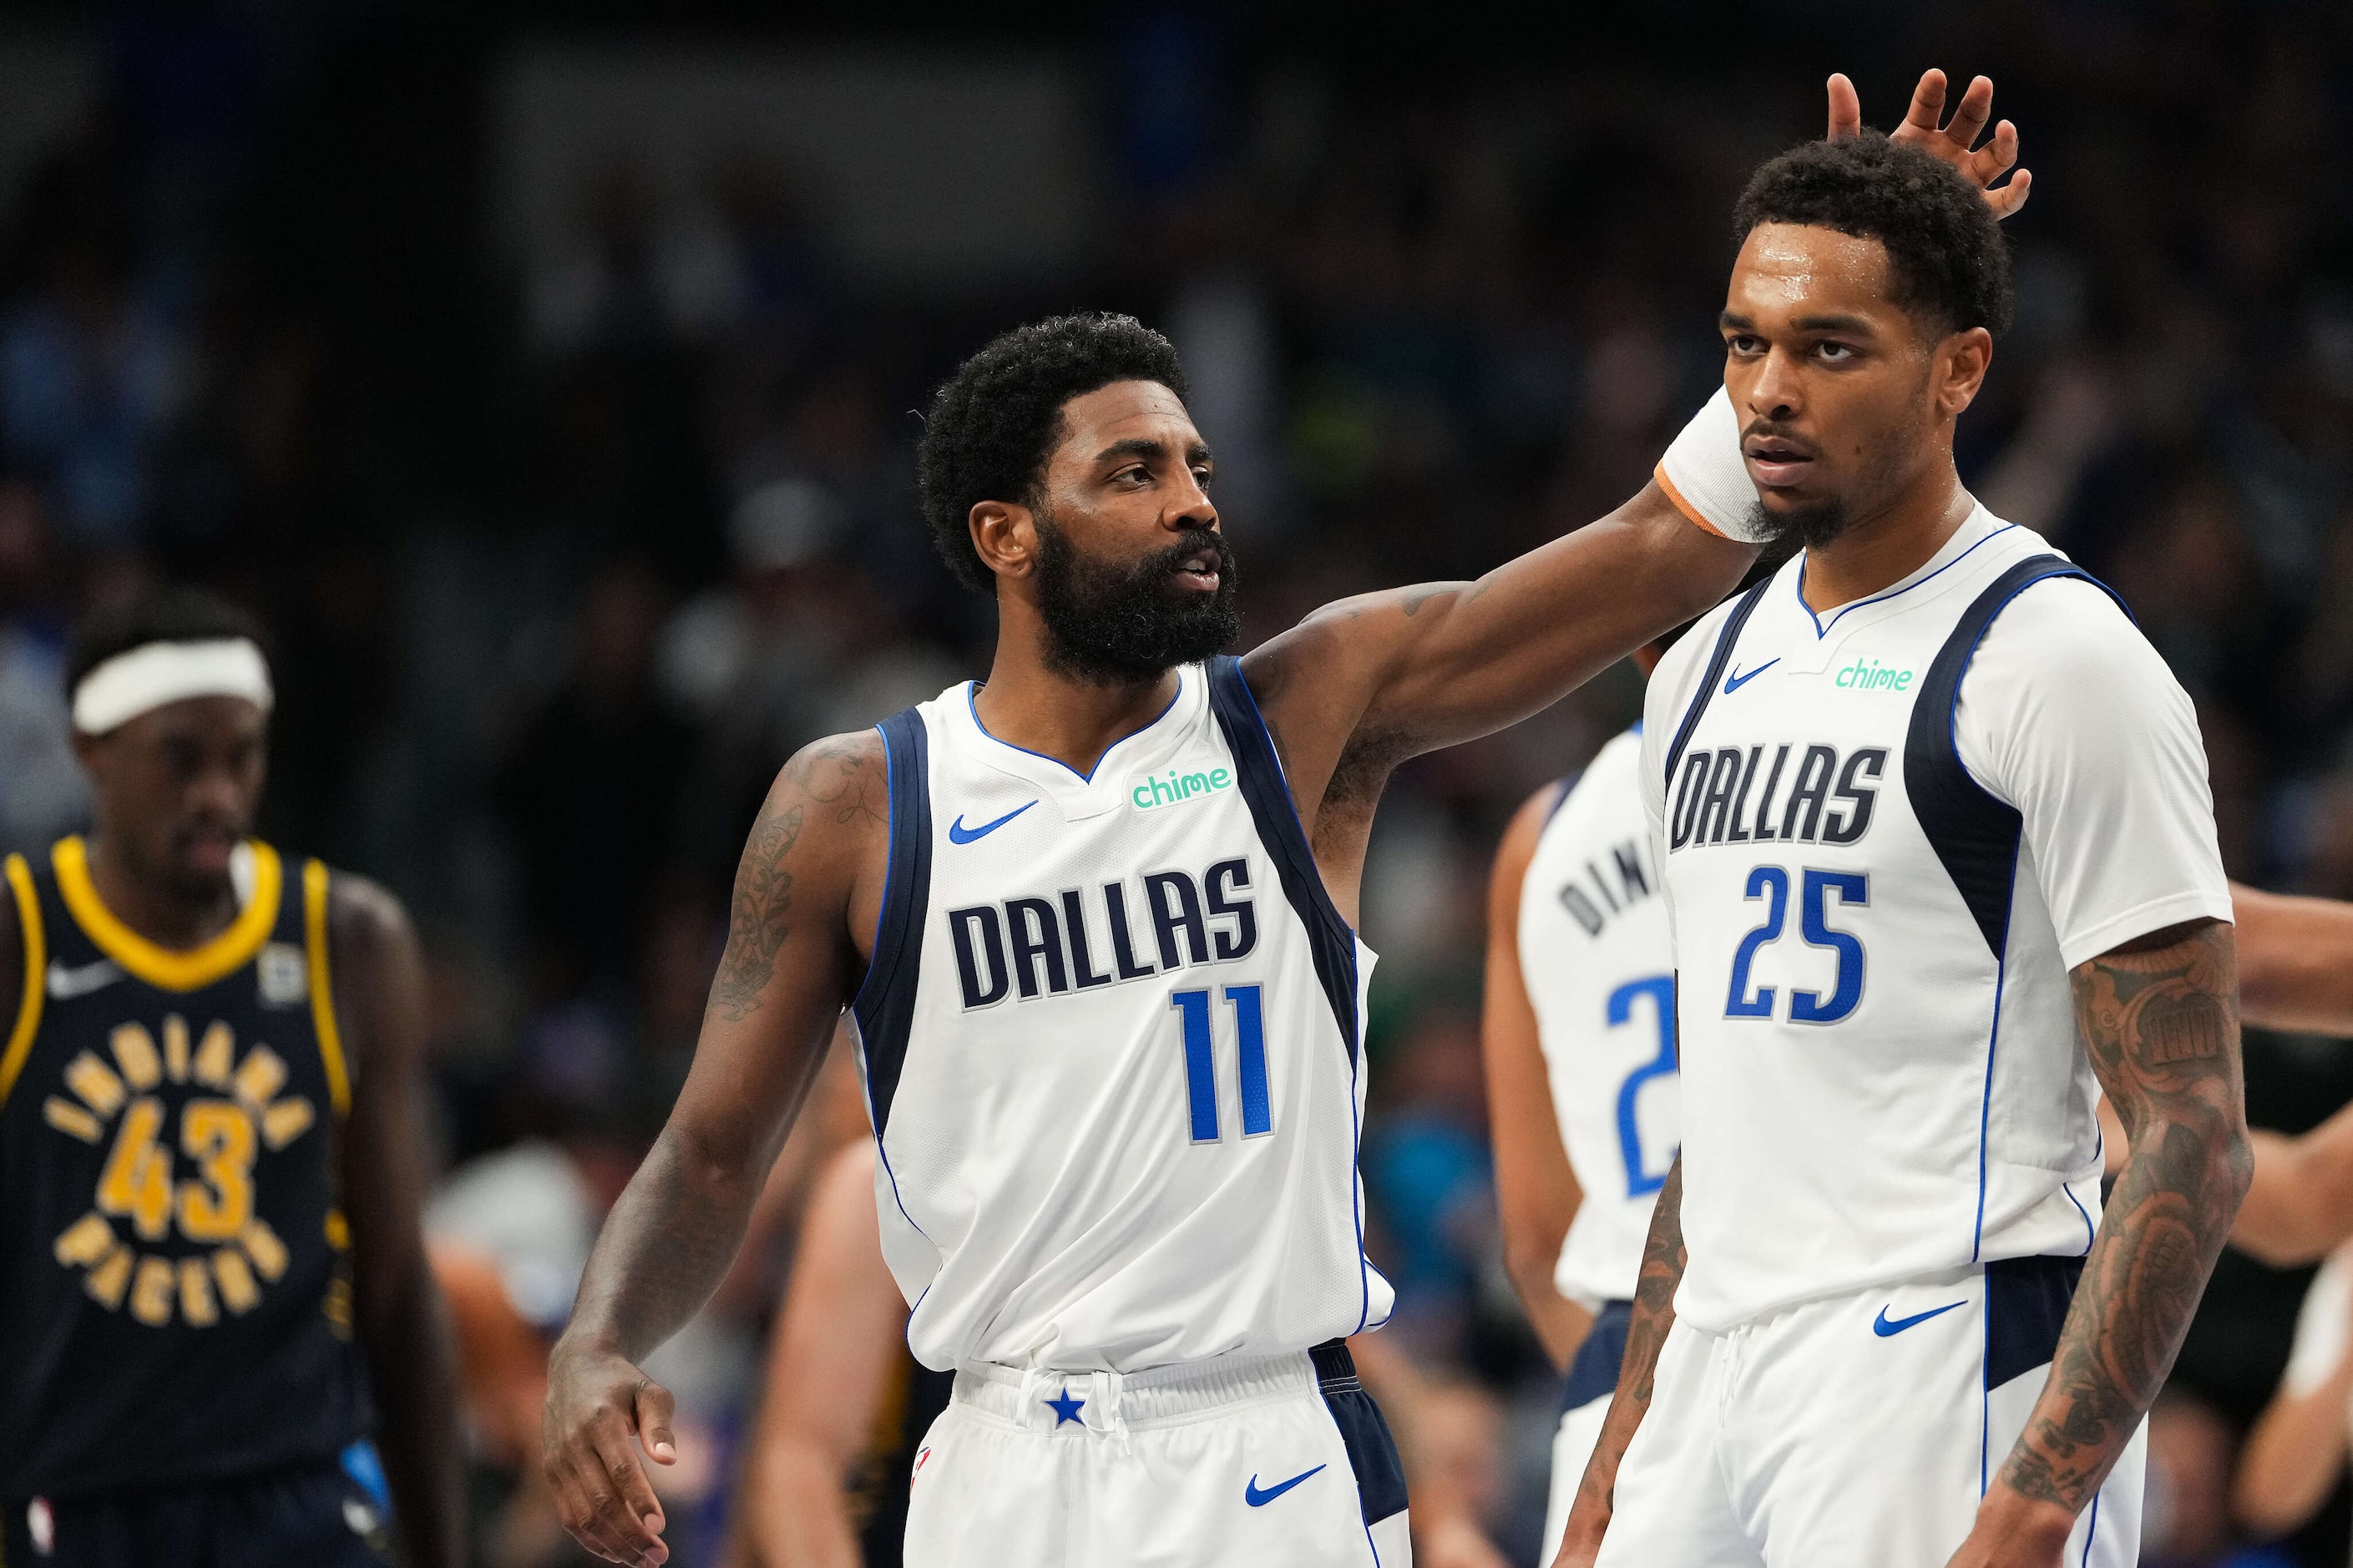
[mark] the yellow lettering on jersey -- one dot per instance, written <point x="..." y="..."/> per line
<point x="71" y="1119"/>
<point x="213" y="1055"/>
<point x="150" y="1291"/>
<point x="197" y="1294"/>
<point x="95" y="1083"/>
<point x="176" y="1047"/>
<point x="261" y="1245"/>
<point x="237" y="1290"/>
<point x="85" y="1241"/>
<point x="285" y="1121"/>
<point x="134" y="1053"/>
<point x="138" y="1177"/>
<point x="337" y="1304"/>
<point x="218" y="1135"/>
<point x="260" y="1076"/>
<point x="106" y="1283"/>
<point x="339" y="1231"/>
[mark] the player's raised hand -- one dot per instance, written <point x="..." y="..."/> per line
<point x="600" y="1409"/>
<point x="1955" y="141"/>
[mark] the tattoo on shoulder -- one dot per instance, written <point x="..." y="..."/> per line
<point x="1415" y="599"/>
<point x="839" y="774"/>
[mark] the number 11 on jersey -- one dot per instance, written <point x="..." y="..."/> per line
<point x="1200" y="1065"/>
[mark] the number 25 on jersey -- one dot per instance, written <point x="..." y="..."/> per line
<point x="1771" y="883"/>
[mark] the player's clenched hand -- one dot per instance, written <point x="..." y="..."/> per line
<point x="1955" y="142"/>
<point x="600" y="1408"/>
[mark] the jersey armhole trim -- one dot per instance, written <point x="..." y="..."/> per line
<point x="28" y="1010"/>
<point x="322" y="994"/>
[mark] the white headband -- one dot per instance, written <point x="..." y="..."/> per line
<point x="155" y="673"/>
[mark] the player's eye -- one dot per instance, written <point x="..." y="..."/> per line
<point x="1834" y="353"/>
<point x="1742" y="344"/>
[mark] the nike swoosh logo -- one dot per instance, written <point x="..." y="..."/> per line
<point x="65" y="984"/>
<point x="1257" y="1498"/>
<point x="959" y="834"/>
<point x="1734" y="682"/>
<point x="1886" y="1328"/>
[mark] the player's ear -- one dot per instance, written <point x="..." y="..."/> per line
<point x="1962" y="362"/>
<point x="1005" y="536"/>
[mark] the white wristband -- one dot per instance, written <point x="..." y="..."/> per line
<point x="1702" y="473"/>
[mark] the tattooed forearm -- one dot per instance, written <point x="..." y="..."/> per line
<point x="675" y="1209"/>
<point x="757" y="921"/>
<point x="1646" y="1333"/>
<point x="2161" y="1024"/>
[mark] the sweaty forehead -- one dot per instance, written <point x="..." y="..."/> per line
<point x="1124" y="411"/>
<point x="1804" y="269"/>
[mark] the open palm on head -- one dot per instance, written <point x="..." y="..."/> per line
<point x="1954" y="141"/>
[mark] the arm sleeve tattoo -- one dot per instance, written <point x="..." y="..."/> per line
<point x="2160" y="1020"/>
<point x="1646" y="1331"/>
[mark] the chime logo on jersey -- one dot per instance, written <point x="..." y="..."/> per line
<point x="1081" y="938"/>
<point x="1828" y="801"/>
<point x="235" y="1113"/>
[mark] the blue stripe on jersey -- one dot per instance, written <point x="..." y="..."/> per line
<point x="1259" y="772"/>
<point x="885" y="1005"/>
<point x="1716" y="661"/>
<point x="1976" y="836"/>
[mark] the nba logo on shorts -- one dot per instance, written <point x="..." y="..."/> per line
<point x="920" y="1457"/>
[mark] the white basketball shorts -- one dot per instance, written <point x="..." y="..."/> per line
<point x="1861" y="1429"/>
<point x="1278" y="1460"/>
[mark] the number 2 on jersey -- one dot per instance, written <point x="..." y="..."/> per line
<point x="1771" y="883"/>
<point x="1661" y="990"/>
<point x="1200" y="1064"/>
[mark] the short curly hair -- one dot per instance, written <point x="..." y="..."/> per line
<point x="996" y="421"/>
<point x="1946" y="252"/>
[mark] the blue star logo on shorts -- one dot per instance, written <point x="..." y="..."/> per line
<point x="1066" y="1408"/>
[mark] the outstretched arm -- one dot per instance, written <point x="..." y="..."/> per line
<point x="1646" y="1336"/>
<point x="1535" y="1190"/>
<point x="807" y="880"/>
<point x="398" y="1316"/>
<point x="2159" y="1017"/>
<point x="2296" y="960"/>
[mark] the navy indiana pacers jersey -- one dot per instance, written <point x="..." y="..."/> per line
<point x="176" y="1297"/>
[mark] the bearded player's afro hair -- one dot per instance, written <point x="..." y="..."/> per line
<point x="996" y="421"/>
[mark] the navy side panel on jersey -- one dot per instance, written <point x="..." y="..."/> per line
<point x="1259" y="774"/>
<point x="886" y="1001"/>
<point x="1974" y="835"/>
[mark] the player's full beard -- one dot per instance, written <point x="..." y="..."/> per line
<point x="1114" y="626"/>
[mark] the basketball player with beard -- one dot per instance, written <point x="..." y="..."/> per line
<point x="1094" y="920"/>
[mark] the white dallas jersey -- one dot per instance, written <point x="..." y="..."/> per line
<point x="1889" y="832"/>
<point x="1111" y="1038"/>
<point x="1594" y="956"/>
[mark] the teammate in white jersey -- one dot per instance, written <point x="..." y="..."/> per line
<point x="1094" y="917"/>
<point x="1940" y="867"/>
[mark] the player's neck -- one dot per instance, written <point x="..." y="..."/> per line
<point x="166" y="916"/>
<point x="1027" y="704"/>
<point x="1880" y="550"/>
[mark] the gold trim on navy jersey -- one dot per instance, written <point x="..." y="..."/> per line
<point x="171" y="969"/>
<point x="28" y="1011"/>
<point x="322" y="992"/>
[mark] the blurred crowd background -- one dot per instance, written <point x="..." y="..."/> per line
<point x="544" y="375"/>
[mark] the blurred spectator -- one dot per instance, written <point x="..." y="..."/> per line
<point x="589" y="792"/>
<point x="1427" y="1169"/>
